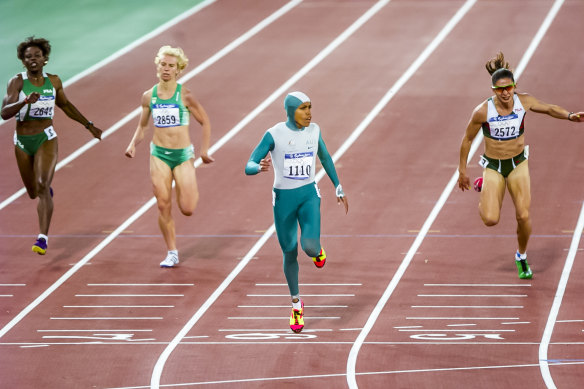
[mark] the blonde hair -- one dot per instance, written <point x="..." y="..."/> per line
<point x="182" y="60"/>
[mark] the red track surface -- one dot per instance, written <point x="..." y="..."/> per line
<point x="393" y="174"/>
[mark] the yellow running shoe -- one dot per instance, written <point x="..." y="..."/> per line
<point x="40" y="246"/>
<point x="320" y="260"/>
<point x="297" y="318"/>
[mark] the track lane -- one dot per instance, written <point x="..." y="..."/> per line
<point x="436" y="260"/>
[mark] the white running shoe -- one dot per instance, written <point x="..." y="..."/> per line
<point x="170" y="260"/>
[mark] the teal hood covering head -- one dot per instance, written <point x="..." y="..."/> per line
<point x="291" y="104"/>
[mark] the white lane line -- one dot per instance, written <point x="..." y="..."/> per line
<point x="481" y="285"/>
<point x="352" y="360"/>
<point x="12" y="284"/>
<point x="316" y="376"/>
<point x="286" y="285"/>
<point x="472" y="295"/>
<point x="6" y="295"/>
<point x="125" y="50"/>
<point x="288" y="306"/>
<point x="470" y="306"/>
<point x="462" y="318"/>
<point x="457" y="330"/>
<point x="157" y="372"/>
<point x="553" y="315"/>
<point x="97" y="331"/>
<point x="569" y="321"/>
<point x="132" y="115"/>
<point x="129" y="295"/>
<point x="140" y="284"/>
<point x="517" y="322"/>
<point x="285" y="330"/>
<point x="304" y="295"/>
<point x="277" y="317"/>
<point x="106" y="318"/>
<point x="118" y="306"/>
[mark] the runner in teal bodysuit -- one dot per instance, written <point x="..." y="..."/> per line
<point x="293" y="146"/>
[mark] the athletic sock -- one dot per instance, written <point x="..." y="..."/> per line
<point x="42" y="236"/>
<point x="296" y="305"/>
<point x="173" y="252"/>
<point x="519" y="256"/>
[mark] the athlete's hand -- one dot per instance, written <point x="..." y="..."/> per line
<point x="131" y="151"/>
<point x="463" y="182"/>
<point x="345" y="202"/>
<point x="265" y="164"/>
<point x="577" y="117"/>
<point x="207" y="158"/>
<point x="32" y="98"/>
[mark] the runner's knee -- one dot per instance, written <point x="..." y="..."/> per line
<point x="311" y="247"/>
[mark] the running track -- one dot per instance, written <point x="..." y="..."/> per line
<point x="417" y="292"/>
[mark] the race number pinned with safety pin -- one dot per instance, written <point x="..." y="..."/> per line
<point x="166" y="115"/>
<point x="43" y="108"/>
<point x="297" y="166"/>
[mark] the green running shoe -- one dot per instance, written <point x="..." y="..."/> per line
<point x="523" y="269"/>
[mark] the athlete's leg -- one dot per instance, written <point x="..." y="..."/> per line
<point x="491" y="198"/>
<point x="309" y="220"/>
<point x="187" y="191"/>
<point x="161" y="176"/>
<point x="44" y="164"/>
<point x="285" y="220"/>
<point x="25" y="164"/>
<point x="519" y="186"/>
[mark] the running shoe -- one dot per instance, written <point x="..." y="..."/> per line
<point x="40" y="246"/>
<point x="523" y="269"/>
<point x="169" y="261"/>
<point x="297" y="318"/>
<point x="320" y="260"/>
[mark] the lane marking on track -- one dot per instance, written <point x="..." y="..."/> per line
<point x="140" y="284"/>
<point x="286" y="285"/>
<point x="462" y="318"/>
<point x="472" y="295"/>
<point x="125" y="50"/>
<point x="352" y="360"/>
<point x="132" y="115"/>
<point x="157" y="372"/>
<point x="288" y="306"/>
<point x="481" y="285"/>
<point x="277" y="318"/>
<point x="470" y="306"/>
<point x="107" y="318"/>
<point x="373" y="373"/>
<point x="129" y="295"/>
<point x="118" y="306"/>
<point x="100" y="330"/>
<point x="306" y="295"/>
<point x="557" y="302"/>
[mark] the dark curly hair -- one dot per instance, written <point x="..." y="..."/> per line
<point x="499" y="68"/>
<point x="41" y="43"/>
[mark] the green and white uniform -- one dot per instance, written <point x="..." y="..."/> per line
<point x="170" y="113"/>
<point x="44" y="108"/>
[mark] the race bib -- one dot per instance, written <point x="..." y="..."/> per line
<point x="166" y="115"/>
<point x="504" y="127"/>
<point x="297" y="165"/>
<point x="43" y="108"/>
